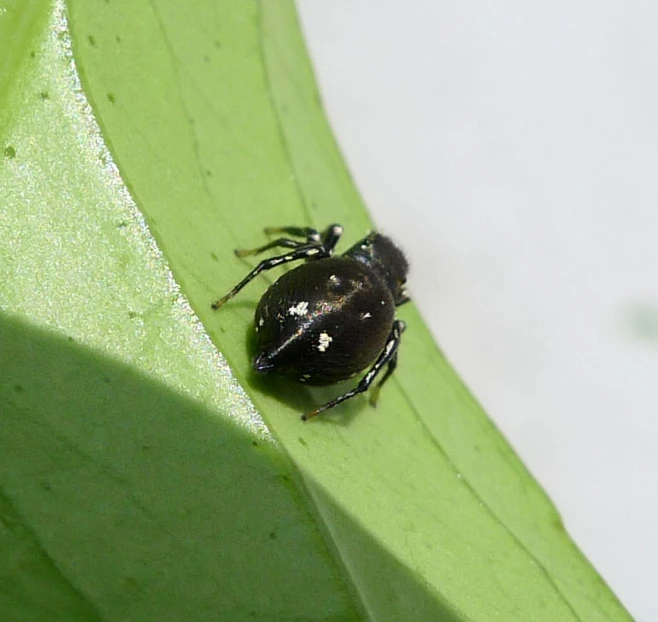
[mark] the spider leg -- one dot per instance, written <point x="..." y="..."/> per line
<point x="302" y="252"/>
<point x="311" y="235"/>
<point x="280" y="242"/>
<point x="328" y="238"/>
<point x="316" y="247"/>
<point x="331" y="236"/>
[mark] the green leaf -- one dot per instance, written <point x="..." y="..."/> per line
<point x="136" y="480"/>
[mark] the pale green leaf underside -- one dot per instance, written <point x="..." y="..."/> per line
<point x="135" y="480"/>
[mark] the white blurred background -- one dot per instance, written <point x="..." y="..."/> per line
<point x="512" y="149"/>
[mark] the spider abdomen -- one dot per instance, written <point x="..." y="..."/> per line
<point x="323" y="322"/>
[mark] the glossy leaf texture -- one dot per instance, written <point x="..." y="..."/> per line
<point x="136" y="478"/>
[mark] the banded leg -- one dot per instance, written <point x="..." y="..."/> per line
<point x="312" y="235"/>
<point x="316" y="247"/>
<point x="303" y="252"/>
<point x="392" y="364"/>
<point x="280" y="242"/>
<point x="328" y="238"/>
<point x="387" y="356"/>
<point x="331" y="236"/>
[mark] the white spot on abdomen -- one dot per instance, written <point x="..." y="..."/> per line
<point x="365" y="316"/>
<point x="324" y="342"/>
<point x="299" y="309"/>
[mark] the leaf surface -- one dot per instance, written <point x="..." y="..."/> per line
<point x="134" y="467"/>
